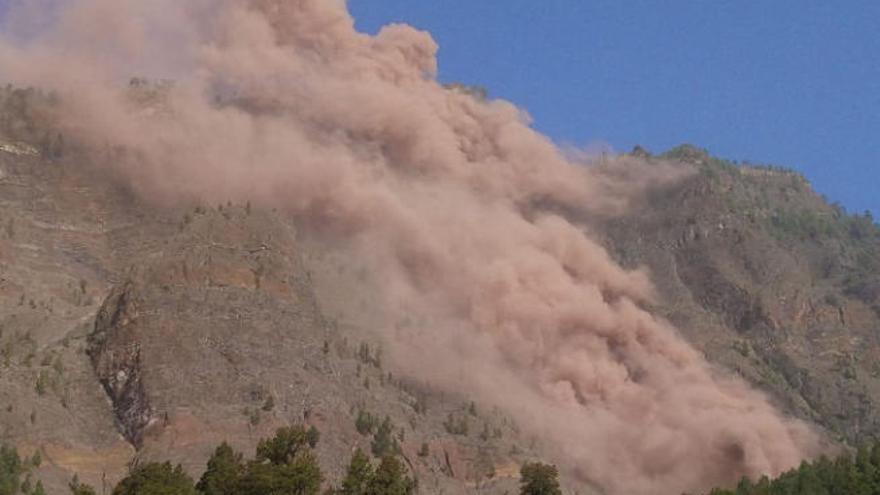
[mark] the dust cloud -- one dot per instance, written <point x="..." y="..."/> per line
<point x="460" y="210"/>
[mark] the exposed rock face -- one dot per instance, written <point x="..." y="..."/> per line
<point x="116" y="357"/>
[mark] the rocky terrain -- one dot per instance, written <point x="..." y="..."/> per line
<point x="768" y="279"/>
<point x="134" y="332"/>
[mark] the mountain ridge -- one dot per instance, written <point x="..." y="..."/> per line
<point x="757" y="271"/>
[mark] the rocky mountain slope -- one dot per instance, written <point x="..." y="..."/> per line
<point x="768" y="279"/>
<point x="131" y="332"/>
<point x="135" y="332"/>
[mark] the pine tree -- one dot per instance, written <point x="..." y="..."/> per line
<point x="539" y="479"/>
<point x="77" y="488"/>
<point x="284" y="465"/>
<point x="809" y="482"/>
<point x="383" y="442"/>
<point x="391" y="479"/>
<point x="359" y="474"/>
<point x="300" y="476"/>
<point x="225" y="468"/>
<point x="284" y="446"/>
<point x="156" y="479"/>
<point x="11" y="469"/>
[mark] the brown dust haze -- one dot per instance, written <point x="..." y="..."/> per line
<point x="452" y="202"/>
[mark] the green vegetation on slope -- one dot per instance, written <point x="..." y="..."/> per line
<point x="15" y="477"/>
<point x="767" y="278"/>
<point x="283" y="465"/>
<point x="845" y="475"/>
<point x="539" y="479"/>
<point x="781" y="202"/>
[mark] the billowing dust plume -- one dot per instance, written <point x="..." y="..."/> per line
<point x="461" y="211"/>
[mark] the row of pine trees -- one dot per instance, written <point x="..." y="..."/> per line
<point x="283" y="465"/>
<point x="286" y="465"/>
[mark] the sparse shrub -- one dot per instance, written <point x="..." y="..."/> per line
<point x="253" y="415"/>
<point x="383" y="443"/>
<point x="421" y="404"/>
<point x="742" y="347"/>
<point x="373" y="358"/>
<point x="485" y="435"/>
<point x="269" y="403"/>
<point x="78" y="488"/>
<point x="479" y="93"/>
<point x="313" y="436"/>
<point x="27" y="489"/>
<point x="377" y="358"/>
<point x="456" y="425"/>
<point x="365" y="423"/>
<point x="43" y="382"/>
<point x="58" y="366"/>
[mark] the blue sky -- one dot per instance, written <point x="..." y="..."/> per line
<point x="793" y="83"/>
<point x="787" y="82"/>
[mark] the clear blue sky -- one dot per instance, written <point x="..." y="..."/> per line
<point x="787" y="82"/>
<point x="793" y="83"/>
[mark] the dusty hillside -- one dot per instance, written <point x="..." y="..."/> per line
<point x="426" y="215"/>
<point x="768" y="279"/>
<point x="132" y="332"/>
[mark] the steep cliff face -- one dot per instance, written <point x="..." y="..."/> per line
<point x="116" y="358"/>
<point x="768" y="279"/>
